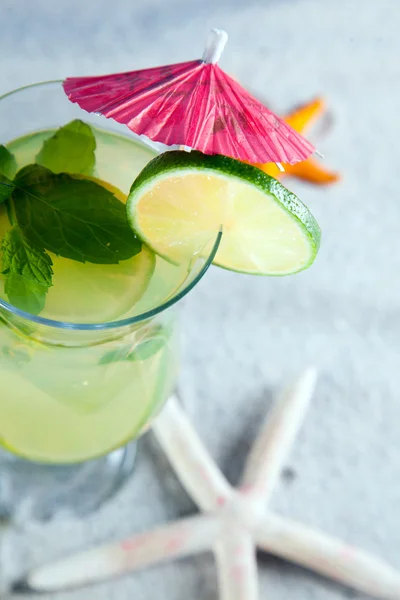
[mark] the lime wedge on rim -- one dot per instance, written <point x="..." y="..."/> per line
<point x="180" y="200"/>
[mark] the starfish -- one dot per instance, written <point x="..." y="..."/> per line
<point x="233" y="523"/>
<point x="310" y="170"/>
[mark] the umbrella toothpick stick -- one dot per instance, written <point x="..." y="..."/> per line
<point x="215" y="45"/>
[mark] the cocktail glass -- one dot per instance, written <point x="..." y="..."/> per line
<point x="75" y="392"/>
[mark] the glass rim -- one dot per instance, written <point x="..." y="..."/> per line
<point x="67" y="325"/>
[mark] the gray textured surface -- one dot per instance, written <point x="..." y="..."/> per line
<point x="245" y="336"/>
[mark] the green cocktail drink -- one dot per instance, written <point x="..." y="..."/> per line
<point x="66" y="404"/>
<point x="88" y="350"/>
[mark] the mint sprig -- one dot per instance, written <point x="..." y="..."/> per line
<point x="70" y="150"/>
<point x="27" y="270"/>
<point x="51" y="210"/>
<point x="74" y="218"/>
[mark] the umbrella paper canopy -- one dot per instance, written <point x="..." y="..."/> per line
<point x="193" y="104"/>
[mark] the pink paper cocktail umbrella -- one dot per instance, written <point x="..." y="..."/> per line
<point x="193" y="104"/>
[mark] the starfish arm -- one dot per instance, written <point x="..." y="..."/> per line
<point x="328" y="556"/>
<point x="193" y="465"/>
<point x="175" y="540"/>
<point x="313" y="172"/>
<point x="308" y="170"/>
<point x="235" y="554"/>
<point x="302" y="116"/>
<point x="270" y="449"/>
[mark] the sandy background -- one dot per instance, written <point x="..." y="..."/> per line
<point x="246" y="336"/>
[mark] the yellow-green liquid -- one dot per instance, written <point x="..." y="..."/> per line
<point x="61" y="400"/>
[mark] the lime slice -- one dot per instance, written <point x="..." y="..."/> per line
<point x="180" y="200"/>
<point x="92" y="293"/>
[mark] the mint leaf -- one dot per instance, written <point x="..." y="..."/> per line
<point x="145" y="348"/>
<point x="115" y="355"/>
<point x="27" y="270"/>
<point x="70" y="150"/>
<point x="74" y="218"/>
<point x="140" y="352"/>
<point x="8" y="168"/>
<point x="8" y="164"/>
